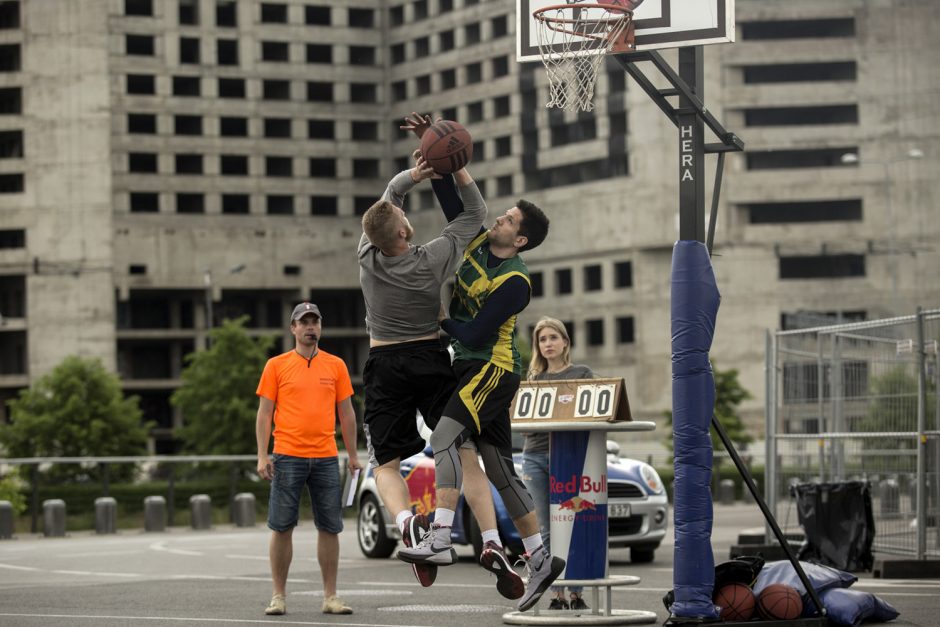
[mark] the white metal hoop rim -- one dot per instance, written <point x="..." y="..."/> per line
<point x="563" y="24"/>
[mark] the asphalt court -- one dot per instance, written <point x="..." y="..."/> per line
<point x="221" y="576"/>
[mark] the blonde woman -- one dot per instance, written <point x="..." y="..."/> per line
<point x="551" y="359"/>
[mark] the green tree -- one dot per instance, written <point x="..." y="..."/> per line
<point x="893" y="408"/>
<point x="524" y="345"/>
<point x="77" y="410"/>
<point x="894" y="402"/>
<point x="11" y="489"/>
<point x="217" y="397"/>
<point x="729" y="394"/>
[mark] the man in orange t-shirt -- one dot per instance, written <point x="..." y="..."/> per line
<point x="301" y="392"/>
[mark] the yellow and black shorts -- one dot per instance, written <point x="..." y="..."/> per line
<point x="482" y="399"/>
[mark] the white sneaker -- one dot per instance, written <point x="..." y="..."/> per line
<point x="543" y="569"/>
<point x="434" y="548"/>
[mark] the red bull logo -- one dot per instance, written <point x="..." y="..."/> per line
<point x="577" y="504"/>
<point x="578" y="484"/>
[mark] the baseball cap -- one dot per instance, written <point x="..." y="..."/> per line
<point x="305" y="308"/>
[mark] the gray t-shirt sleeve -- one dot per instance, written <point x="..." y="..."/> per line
<point x="579" y="371"/>
<point x="398" y="187"/>
<point x="445" y="250"/>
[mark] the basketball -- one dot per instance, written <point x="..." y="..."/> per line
<point x="780" y="601"/>
<point x="446" y="146"/>
<point x="736" y="602"/>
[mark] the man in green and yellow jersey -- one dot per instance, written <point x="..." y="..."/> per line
<point x="492" y="287"/>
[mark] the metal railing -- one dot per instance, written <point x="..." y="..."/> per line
<point x="860" y="401"/>
<point x="143" y="465"/>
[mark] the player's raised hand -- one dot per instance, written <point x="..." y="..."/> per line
<point x="416" y="123"/>
<point x="422" y="170"/>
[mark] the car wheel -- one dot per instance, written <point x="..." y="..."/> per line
<point x="475" y="536"/>
<point x="373" y="541"/>
<point x="642" y="556"/>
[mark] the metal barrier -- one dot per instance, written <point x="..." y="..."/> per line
<point x="243" y="510"/>
<point x="53" y="518"/>
<point x="6" y="520"/>
<point x="860" y="401"/>
<point x="158" y="508"/>
<point x="200" y="511"/>
<point x="105" y="515"/>
<point x="154" y="513"/>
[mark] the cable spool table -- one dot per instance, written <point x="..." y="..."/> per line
<point x="578" y="524"/>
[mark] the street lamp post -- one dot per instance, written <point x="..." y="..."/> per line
<point x="852" y="158"/>
<point x="207" y="281"/>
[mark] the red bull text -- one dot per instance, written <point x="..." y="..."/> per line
<point x="578" y="502"/>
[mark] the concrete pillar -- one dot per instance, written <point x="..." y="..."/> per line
<point x="53" y="518"/>
<point x="154" y="513"/>
<point x="200" y="511"/>
<point x="105" y="515"/>
<point x="726" y="492"/>
<point x="6" y="520"/>
<point x="243" y="509"/>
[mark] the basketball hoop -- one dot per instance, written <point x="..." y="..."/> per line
<point x="573" y="39"/>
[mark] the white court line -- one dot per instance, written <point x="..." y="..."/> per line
<point x="102" y="553"/>
<point x="188" y="619"/>
<point x="161" y="546"/>
<point x="12" y="567"/>
<point x="94" y="574"/>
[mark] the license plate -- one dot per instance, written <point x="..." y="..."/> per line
<point x="618" y="510"/>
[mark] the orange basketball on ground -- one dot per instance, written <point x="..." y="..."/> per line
<point x="447" y="146"/>
<point x="780" y="601"/>
<point x="736" y="601"/>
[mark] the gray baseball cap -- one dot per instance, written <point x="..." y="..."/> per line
<point x="305" y="308"/>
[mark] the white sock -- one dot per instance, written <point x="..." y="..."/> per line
<point x="444" y="517"/>
<point x="492" y="535"/>
<point x="400" y="519"/>
<point x="532" y="543"/>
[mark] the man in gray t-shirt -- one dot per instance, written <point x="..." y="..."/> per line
<point x="408" y="369"/>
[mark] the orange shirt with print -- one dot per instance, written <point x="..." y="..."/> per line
<point x="305" y="394"/>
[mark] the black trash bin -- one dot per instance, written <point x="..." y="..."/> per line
<point x="838" y="522"/>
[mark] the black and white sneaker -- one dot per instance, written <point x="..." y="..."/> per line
<point x="558" y="604"/>
<point x="434" y="548"/>
<point x="416" y="527"/>
<point x="543" y="569"/>
<point x="577" y="603"/>
<point x="508" y="582"/>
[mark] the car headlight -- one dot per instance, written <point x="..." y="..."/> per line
<point x="651" y="479"/>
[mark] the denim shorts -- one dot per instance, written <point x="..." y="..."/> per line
<point x="321" y="476"/>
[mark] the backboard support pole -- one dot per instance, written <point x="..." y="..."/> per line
<point x="691" y="117"/>
<point x="691" y="146"/>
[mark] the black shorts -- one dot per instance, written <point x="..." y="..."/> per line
<point x="482" y="399"/>
<point x="400" y="380"/>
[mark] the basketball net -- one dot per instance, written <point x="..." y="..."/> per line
<point x="573" y="40"/>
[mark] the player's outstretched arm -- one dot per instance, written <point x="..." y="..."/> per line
<point x="509" y="299"/>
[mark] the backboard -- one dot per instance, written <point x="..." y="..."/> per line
<point x="657" y="23"/>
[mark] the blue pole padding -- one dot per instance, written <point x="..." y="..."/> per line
<point x="695" y="301"/>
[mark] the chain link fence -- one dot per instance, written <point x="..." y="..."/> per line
<point x="859" y="402"/>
